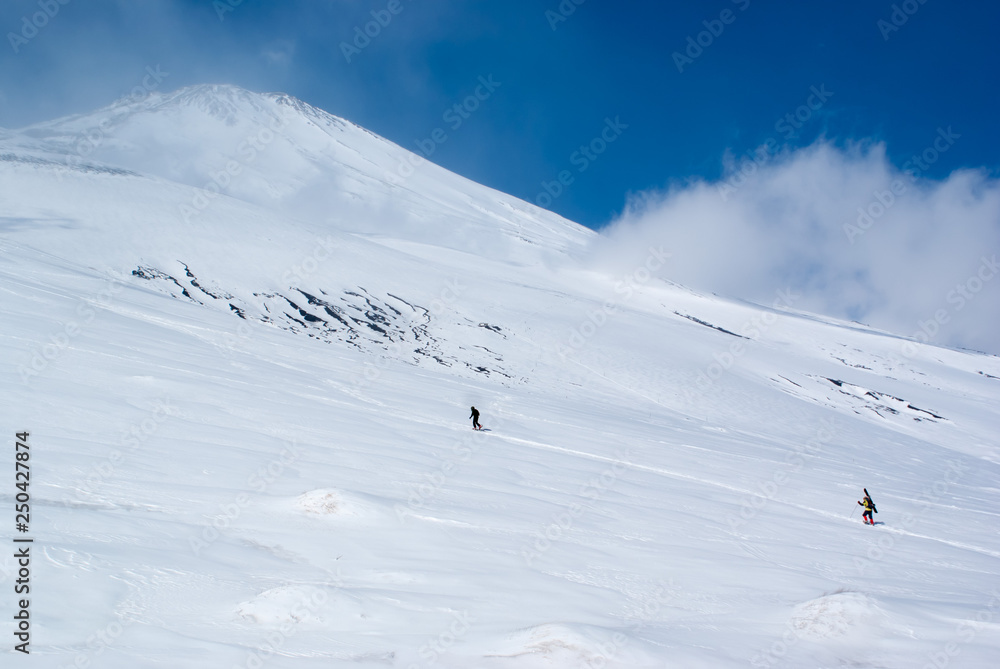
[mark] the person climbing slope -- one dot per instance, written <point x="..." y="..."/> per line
<point x="869" y="507"/>
<point x="475" y="419"/>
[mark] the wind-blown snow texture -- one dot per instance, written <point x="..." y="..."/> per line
<point x="244" y="335"/>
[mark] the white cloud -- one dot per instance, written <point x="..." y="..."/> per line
<point x="859" y="237"/>
<point x="279" y="52"/>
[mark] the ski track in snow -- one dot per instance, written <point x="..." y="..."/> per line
<point x="629" y="464"/>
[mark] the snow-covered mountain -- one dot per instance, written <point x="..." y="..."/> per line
<point x="282" y="154"/>
<point x="244" y="334"/>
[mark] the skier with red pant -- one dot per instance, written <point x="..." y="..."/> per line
<point x="869" y="507"/>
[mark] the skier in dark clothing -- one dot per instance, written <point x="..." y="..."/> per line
<point x="475" y="419"/>
<point x="869" y="507"/>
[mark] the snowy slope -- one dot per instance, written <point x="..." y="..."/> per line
<point x="250" y="445"/>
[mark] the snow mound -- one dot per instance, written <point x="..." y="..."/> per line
<point x="320" y="502"/>
<point x="832" y="616"/>
<point x="555" y="645"/>
<point x="332" y="503"/>
<point x="283" y="605"/>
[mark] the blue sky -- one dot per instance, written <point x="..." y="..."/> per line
<point x="670" y="97"/>
<point x="557" y="85"/>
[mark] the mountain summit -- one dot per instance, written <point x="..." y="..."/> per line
<point x="277" y="152"/>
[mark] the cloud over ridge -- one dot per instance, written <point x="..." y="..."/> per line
<point x="860" y="238"/>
